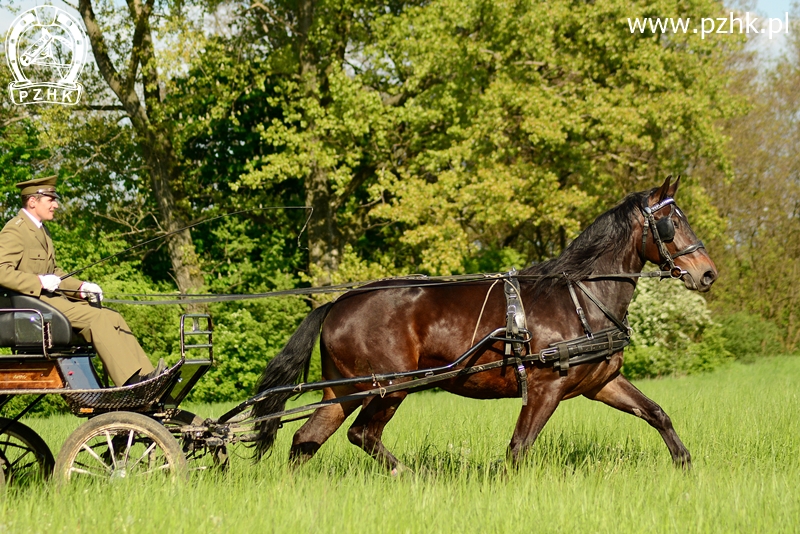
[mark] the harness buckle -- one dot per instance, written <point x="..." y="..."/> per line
<point x="545" y="353"/>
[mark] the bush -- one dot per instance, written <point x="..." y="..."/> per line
<point x="246" y="336"/>
<point x="49" y="405"/>
<point x="748" y="336"/>
<point x="673" y="332"/>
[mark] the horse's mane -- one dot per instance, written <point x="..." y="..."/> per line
<point x="610" y="232"/>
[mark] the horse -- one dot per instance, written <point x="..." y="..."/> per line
<point x="402" y="326"/>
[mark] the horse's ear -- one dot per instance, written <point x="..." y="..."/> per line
<point x="667" y="190"/>
<point x="674" y="187"/>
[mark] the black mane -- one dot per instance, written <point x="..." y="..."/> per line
<point x="610" y="232"/>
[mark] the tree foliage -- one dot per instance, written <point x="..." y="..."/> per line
<point x="528" y="119"/>
<point x="760" y="253"/>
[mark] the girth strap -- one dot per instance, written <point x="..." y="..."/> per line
<point x="516" y="321"/>
<point x="604" y="344"/>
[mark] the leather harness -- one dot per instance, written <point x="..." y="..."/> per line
<point x="593" y="345"/>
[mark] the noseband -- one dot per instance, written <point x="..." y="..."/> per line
<point x="663" y="233"/>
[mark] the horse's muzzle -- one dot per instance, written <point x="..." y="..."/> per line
<point x="700" y="283"/>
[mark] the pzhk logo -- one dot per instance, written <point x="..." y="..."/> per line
<point x="46" y="49"/>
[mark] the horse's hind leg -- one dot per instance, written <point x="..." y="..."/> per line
<point x="367" y="429"/>
<point x="619" y="393"/>
<point x="319" y="427"/>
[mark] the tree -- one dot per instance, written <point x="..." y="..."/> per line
<point x="760" y="256"/>
<point x="326" y="128"/>
<point x="448" y="136"/>
<point x="525" y="120"/>
<point x="139" y="69"/>
<point x="21" y="150"/>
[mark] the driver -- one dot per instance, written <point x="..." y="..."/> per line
<point x="28" y="266"/>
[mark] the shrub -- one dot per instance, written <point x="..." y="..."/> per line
<point x="748" y="336"/>
<point x="673" y="332"/>
<point x="246" y="336"/>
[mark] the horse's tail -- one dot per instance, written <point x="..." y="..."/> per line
<point x="284" y="369"/>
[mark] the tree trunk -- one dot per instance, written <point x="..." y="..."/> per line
<point x="153" y="138"/>
<point x="324" y="238"/>
<point x="161" y="162"/>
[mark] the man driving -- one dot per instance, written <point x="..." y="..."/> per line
<point x="28" y="266"/>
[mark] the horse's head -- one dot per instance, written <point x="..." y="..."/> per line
<point x="668" y="240"/>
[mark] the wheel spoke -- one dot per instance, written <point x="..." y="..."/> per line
<point x="96" y="457"/>
<point x="111" y="452"/>
<point x="15" y="467"/>
<point x="163" y="467"/>
<point x="13" y="464"/>
<point x="128" y="447"/>
<point x="86" y="472"/>
<point x="146" y="453"/>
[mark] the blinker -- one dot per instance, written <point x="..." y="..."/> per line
<point x="666" y="229"/>
<point x="665" y="226"/>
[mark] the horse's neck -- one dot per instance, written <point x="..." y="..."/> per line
<point x="617" y="294"/>
<point x="611" y="262"/>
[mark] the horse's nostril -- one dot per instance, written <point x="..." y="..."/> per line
<point x="709" y="277"/>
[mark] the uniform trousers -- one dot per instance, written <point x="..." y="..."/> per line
<point x="111" y="336"/>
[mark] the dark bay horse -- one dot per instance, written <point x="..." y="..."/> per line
<point x="419" y="326"/>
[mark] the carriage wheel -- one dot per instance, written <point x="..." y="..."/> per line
<point x="120" y="445"/>
<point x="25" y="457"/>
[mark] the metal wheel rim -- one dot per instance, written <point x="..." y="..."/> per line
<point x="120" y="445"/>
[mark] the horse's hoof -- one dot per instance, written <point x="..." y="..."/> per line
<point x="399" y="469"/>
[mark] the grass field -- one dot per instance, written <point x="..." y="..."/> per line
<point x="593" y="470"/>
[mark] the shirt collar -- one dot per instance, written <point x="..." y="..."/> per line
<point x="36" y="222"/>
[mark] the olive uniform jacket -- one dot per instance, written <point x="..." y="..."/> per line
<point x="26" y="252"/>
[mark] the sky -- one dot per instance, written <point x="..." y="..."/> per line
<point x="770" y="8"/>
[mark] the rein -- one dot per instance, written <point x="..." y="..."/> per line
<point x="362" y="286"/>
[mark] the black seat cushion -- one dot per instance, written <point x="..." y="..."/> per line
<point x="10" y="336"/>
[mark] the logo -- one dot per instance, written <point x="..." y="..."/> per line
<point x="46" y="50"/>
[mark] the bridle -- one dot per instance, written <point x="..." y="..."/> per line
<point x="663" y="231"/>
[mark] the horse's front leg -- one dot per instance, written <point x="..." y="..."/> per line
<point x="619" y="393"/>
<point x="542" y="402"/>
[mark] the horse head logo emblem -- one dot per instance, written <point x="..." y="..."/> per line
<point x="46" y="50"/>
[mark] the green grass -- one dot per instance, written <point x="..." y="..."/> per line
<point x="593" y="469"/>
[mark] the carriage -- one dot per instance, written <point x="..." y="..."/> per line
<point x="47" y="358"/>
<point x="140" y="429"/>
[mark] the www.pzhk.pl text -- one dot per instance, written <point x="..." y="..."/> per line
<point x="745" y="23"/>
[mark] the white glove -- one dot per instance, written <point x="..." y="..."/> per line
<point x="50" y="282"/>
<point x="91" y="292"/>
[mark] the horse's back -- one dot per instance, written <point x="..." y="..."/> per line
<point x="408" y="325"/>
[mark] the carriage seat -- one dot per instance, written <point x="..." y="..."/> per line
<point x="22" y="329"/>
